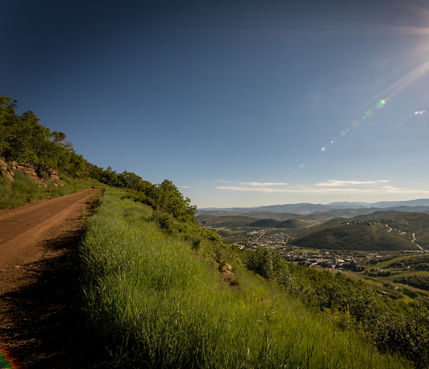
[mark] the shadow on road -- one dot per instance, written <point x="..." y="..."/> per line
<point x="46" y="328"/>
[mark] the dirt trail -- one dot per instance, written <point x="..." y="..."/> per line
<point x="40" y="321"/>
<point x="415" y="243"/>
<point x="23" y="229"/>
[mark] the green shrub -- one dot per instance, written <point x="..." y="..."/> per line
<point x="165" y="221"/>
<point x="391" y="325"/>
<point x="196" y="243"/>
<point x="18" y="192"/>
<point x="415" y="280"/>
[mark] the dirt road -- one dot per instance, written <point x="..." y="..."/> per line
<point x="40" y="320"/>
<point x="22" y="231"/>
<point x="415" y="243"/>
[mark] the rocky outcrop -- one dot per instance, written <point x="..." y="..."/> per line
<point x="4" y="170"/>
<point x="31" y="173"/>
<point x="54" y="178"/>
<point x="8" y="170"/>
<point x="228" y="275"/>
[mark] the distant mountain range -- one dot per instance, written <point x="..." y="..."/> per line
<point x="418" y="205"/>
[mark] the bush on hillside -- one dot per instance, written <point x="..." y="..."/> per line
<point x="392" y="325"/>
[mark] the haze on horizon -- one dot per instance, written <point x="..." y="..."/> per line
<point x="239" y="103"/>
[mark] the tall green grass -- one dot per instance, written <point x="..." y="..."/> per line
<point x="155" y="304"/>
<point x="23" y="190"/>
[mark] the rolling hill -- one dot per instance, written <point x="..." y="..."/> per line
<point x="237" y="221"/>
<point x="417" y="223"/>
<point x="272" y="223"/>
<point x="207" y="220"/>
<point x="351" y="236"/>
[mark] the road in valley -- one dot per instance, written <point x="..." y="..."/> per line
<point x="415" y="243"/>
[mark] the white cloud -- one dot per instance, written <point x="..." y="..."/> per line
<point x="340" y="183"/>
<point x="252" y="189"/>
<point x="185" y="187"/>
<point x="390" y="187"/>
<point x="319" y="190"/>
<point x="332" y="186"/>
<point x="262" y="184"/>
<point x="419" y="112"/>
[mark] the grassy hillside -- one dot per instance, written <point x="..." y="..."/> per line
<point x="414" y="263"/>
<point x="23" y="190"/>
<point x="350" y="236"/>
<point x="408" y="272"/>
<point x="164" y="301"/>
<point x="417" y="223"/>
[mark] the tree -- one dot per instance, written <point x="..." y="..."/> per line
<point x="170" y="199"/>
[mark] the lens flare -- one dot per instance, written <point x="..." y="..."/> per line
<point x="381" y="103"/>
<point x="369" y="113"/>
<point x="398" y="86"/>
<point x="370" y="109"/>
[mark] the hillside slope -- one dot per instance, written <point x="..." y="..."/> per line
<point x="157" y="302"/>
<point x="408" y="222"/>
<point x="224" y="221"/>
<point x="350" y="236"/>
<point x="272" y="223"/>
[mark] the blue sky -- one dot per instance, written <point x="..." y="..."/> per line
<point x="240" y="103"/>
